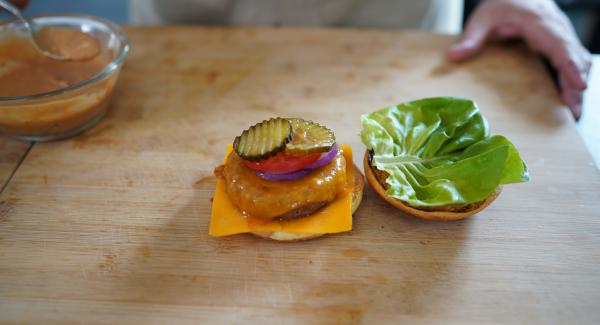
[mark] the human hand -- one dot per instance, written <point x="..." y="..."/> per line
<point x="543" y="27"/>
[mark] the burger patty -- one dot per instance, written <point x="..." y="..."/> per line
<point x="269" y="200"/>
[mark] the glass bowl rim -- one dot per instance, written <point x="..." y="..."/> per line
<point x="110" y="67"/>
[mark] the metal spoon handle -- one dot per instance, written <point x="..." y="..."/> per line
<point x="31" y="27"/>
<point x="16" y="12"/>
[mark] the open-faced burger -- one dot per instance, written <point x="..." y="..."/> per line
<point x="434" y="158"/>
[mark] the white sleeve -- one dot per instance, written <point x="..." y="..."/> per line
<point x="143" y="12"/>
<point x="444" y="16"/>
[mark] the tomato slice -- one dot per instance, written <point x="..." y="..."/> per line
<point x="282" y="163"/>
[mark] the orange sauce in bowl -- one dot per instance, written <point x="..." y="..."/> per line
<point x="24" y="71"/>
<point x="68" y="43"/>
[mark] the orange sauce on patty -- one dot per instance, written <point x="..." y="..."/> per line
<point x="267" y="200"/>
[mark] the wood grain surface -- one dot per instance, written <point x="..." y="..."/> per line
<point x="11" y="154"/>
<point x="112" y="225"/>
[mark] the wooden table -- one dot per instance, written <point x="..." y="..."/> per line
<point x="12" y="153"/>
<point x="111" y="226"/>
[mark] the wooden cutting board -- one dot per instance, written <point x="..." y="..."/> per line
<point x="11" y="154"/>
<point x="111" y="226"/>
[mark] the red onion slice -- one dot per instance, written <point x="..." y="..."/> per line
<point x="283" y="177"/>
<point x="325" y="159"/>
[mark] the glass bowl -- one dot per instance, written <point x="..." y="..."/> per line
<point x="64" y="112"/>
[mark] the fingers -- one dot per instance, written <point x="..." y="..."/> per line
<point x="544" y="28"/>
<point x="571" y="96"/>
<point x="562" y="47"/>
<point x="583" y="66"/>
<point x="506" y="31"/>
<point x="471" y="42"/>
<point x="569" y="58"/>
<point x="575" y="63"/>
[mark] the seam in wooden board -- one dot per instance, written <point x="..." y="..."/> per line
<point x="12" y="174"/>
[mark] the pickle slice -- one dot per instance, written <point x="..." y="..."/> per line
<point x="263" y="139"/>
<point x="309" y="137"/>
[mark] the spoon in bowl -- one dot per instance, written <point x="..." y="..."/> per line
<point x="57" y="43"/>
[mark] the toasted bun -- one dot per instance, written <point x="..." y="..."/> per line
<point x="359" y="185"/>
<point x="443" y="213"/>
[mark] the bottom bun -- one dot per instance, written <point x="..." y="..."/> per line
<point x="284" y="236"/>
<point x="442" y="213"/>
<point x="357" y="193"/>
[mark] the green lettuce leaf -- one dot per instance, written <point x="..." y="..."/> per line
<point x="438" y="151"/>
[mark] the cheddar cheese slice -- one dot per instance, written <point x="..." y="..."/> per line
<point x="226" y="219"/>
